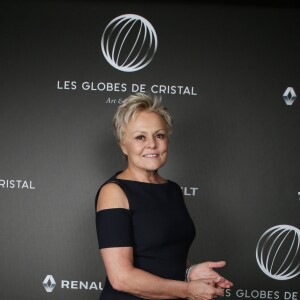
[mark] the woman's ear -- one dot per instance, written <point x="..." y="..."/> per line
<point x="124" y="149"/>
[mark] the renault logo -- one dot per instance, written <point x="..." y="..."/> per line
<point x="49" y="283"/>
<point x="289" y="96"/>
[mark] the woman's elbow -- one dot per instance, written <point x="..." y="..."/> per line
<point x="119" y="282"/>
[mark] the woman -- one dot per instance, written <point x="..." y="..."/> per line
<point x="143" y="226"/>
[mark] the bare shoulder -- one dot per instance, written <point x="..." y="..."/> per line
<point x="112" y="196"/>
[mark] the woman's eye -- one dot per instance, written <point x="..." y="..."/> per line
<point x="160" y="136"/>
<point x="140" y="137"/>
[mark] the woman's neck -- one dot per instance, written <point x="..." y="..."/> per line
<point x="145" y="176"/>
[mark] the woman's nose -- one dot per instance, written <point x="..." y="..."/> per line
<point x="151" y="142"/>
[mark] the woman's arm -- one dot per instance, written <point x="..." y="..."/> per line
<point x="124" y="277"/>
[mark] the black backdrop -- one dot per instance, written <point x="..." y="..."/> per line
<point x="234" y="150"/>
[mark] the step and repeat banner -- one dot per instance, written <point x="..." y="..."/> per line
<point x="229" y="75"/>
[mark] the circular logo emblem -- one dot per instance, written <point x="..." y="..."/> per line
<point x="278" y="252"/>
<point x="129" y="43"/>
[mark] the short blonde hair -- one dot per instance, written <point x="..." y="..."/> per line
<point x="134" y="104"/>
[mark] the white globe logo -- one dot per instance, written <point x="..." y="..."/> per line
<point x="278" y="253"/>
<point x="129" y="43"/>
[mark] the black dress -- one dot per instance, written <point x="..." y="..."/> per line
<point x="157" y="226"/>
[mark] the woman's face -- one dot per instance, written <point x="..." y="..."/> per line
<point x="145" y="141"/>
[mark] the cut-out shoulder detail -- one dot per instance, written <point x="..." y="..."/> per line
<point x="111" y="195"/>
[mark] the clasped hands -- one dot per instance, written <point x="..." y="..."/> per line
<point x="212" y="283"/>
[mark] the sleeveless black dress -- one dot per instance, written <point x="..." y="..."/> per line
<point x="157" y="226"/>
